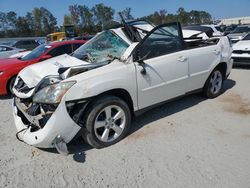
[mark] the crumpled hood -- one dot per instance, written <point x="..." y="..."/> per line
<point x="242" y="45"/>
<point x="33" y="74"/>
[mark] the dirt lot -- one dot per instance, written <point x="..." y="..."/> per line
<point x="192" y="142"/>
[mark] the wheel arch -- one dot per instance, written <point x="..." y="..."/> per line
<point x="223" y="67"/>
<point x="8" y="82"/>
<point x="122" y="94"/>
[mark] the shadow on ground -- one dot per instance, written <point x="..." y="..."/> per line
<point x="241" y="66"/>
<point x="7" y="97"/>
<point x="78" y="147"/>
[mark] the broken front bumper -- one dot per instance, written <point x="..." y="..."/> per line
<point x="59" y="126"/>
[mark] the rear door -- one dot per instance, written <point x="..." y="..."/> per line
<point x="201" y="60"/>
<point x="165" y="71"/>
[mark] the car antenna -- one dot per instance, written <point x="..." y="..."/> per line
<point x="132" y="34"/>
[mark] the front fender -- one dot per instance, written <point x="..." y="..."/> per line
<point x="116" y="75"/>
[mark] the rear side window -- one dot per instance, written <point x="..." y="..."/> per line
<point x="64" y="49"/>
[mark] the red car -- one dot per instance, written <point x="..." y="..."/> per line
<point x="10" y="67"/>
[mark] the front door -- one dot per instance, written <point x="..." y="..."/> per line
<point x="161" y="65"/>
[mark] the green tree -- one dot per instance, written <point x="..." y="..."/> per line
<point x="3" y="21"/>
<point x="37" y="14"/>
<point x="183" y="16"/>
<point x="11" y="19"/>
<point x="103" y="14"/>
<point x="86" y="16"/>
<point x="48" y="21"/>
<point x="74" y="12"/>
<point x="22" y="27"/>
<point x="126" y="13"/>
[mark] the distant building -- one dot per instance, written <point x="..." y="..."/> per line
<point x="239" y="20"/>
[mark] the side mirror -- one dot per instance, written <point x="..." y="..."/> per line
<point x="141" y="62"/>
<point x="45" y="57"/>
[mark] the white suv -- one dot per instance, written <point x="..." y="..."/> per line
<point x="116" y="75"/>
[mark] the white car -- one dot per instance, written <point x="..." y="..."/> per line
<point x="7" y="51"/>
<point x="118" y="74"/>
<point x="20" y="54"/>
<point x="241" y="51"/>
<point x="216" y="30"/>
<point x="239" y="33"/>
<point x="190" y="33"/>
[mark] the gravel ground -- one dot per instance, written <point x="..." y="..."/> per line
<point x="192" y="142"/>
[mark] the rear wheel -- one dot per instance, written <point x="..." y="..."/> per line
<point x="214" y="84"/>
<point x="11" y="85"/>
<point x="107" y="121"/>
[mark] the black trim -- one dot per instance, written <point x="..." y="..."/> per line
<point x="77" y="108"/>
<point x="141" y="111"/>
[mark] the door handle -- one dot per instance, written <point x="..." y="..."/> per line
<point x="182" y="59"/>
<point x="216" y="52"/>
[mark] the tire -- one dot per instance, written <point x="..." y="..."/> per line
<point x="214" y="84"/>
<point x="107" y="121"/>
<point x="11" y="85"/>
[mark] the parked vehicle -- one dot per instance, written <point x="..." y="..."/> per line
<point x="229" y="29"/>
<point x="118" y="74"/>
<point x="216" y="30"/>
<point x="58" y="36"/>
<point x="27" y="44"/>
<point x="10" y="67"/>
<point x="241" y="51"/>
<point x="7" y="51"/>
<point x="238" y="33"/>
<point x="196" y="31"/>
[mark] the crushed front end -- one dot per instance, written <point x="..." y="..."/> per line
<point x="41" y="120"/>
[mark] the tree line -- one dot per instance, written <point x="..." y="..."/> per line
<point x="86" y="20"/>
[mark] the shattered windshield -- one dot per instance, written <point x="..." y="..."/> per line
<point x="104" y="47"/>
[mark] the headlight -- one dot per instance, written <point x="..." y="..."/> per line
<point x="52" y="94"/>
<point x="1" y="73"/>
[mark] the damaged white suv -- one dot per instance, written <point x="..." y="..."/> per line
<point x="119" y="73"/>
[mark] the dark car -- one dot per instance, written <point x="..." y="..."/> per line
<point x="26" y="44"/>
<point x="229" y="29"/>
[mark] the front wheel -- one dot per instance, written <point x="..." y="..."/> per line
<point x="107" y="121"/>
<point x="214" y="84"/>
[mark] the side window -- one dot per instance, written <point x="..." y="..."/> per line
<point x="27" y="42"/>
<point x="19" y="43"/>
<point x="162" y="41"/>
<point x="64" y="49"/>
<point x="75" y="46"/>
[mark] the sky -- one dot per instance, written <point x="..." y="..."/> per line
<point x="217" y="8"/>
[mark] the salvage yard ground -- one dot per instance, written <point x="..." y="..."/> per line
<point x="192" y="142"/>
